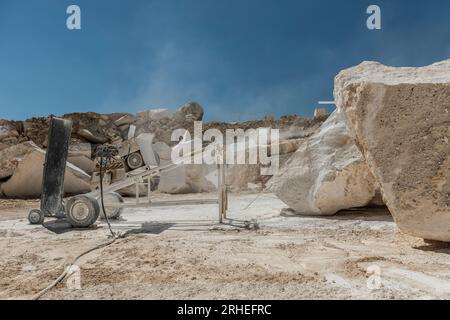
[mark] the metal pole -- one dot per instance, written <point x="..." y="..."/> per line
<point x="137" y="192"/>
<point x="220" y="192"/>
<point x="149" y="189"/>
<point x="225" y="191"/>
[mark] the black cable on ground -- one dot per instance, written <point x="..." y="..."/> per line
<point x="106" y="153"/>
<point x="66" y="270"/>
<point x="101" y="198"/>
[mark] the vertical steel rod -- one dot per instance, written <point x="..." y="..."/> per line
<point x="149" y="189"/>
<point x="220" y="192"/>
<point x="137" y="192"/>
<point x="225" y="191"/>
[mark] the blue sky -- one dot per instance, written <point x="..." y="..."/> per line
<point x="239" y="59"/>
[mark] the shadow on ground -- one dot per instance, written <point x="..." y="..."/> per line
<point x="150" y="228"/>
<point x="435" y="246"/>
<point x="60" y="226"/>
<point x="362" y="214"/>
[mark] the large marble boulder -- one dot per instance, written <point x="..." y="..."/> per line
<point x="26" y="182"/>
<point x="326" y="174"/>
<point x="401" y="119"/>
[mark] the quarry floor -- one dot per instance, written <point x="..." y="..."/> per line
<point x="181" y="252"/>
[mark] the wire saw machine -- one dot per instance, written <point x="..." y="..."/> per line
<point x="82" y="211"/>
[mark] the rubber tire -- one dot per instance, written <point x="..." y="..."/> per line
<point x="32" y="220"/>
<point x="117" y="211"/>
<point x="93" y="211"/>
<point x="139" y="164"/>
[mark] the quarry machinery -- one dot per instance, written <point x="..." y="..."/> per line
<point x="54" y="169"/>
<point x="83" y="210"/>
<point x="137" y="152"/>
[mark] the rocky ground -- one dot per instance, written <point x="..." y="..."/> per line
<point x="182" y="252"/>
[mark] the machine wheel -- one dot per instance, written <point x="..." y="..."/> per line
<point x="135" y="160"/>
<point x="36" y="216"/>
<point x="82" y="211"/>
<point x="110" y="198"/>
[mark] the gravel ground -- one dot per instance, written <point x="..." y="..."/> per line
<point x="181" y="252"/>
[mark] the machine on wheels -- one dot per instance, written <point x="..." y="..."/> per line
<point x="82" y="211"/>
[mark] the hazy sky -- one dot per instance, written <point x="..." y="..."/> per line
<point x="239" y="59"/>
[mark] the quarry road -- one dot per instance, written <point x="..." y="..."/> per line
<point x="181" y="252"/>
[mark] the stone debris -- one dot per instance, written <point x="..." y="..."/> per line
<point x="401" y="120"/>
<point x="191" y="111"/>
<point x="89" y="136"/>
<point x="80" y="155"/>
<point x="155" y="115"/>
<point x="92" y="129"/>
<point x="10" y="134"/>
<point x="7" y="130"/>
<point x="11" y="157"/>
<point x="320" y="112"/>
<point x="162" y="122"/>
<point x="125" y="120"/>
